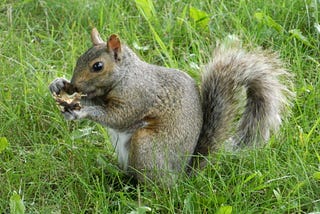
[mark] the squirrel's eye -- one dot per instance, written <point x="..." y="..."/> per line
<point x="98" y="66"/>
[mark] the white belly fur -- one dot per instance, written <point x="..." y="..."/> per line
<point x="120" y="142"/>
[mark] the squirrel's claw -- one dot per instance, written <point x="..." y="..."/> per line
<point x="70" y="115"/>
<point x="74" y="114"/>
<point x="57" y="85"/>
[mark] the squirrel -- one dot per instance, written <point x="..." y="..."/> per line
<point x="159" y="120"/>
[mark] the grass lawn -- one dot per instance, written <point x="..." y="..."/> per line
<point x="49" y="165"/>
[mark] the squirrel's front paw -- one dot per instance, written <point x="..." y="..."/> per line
<point x="60" y="84"/>
<point x="74" y="114"/>
<point x="70" y="115"/>
<point x="57" y="85"/>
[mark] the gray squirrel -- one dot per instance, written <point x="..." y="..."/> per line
<point x="160" y="121"/>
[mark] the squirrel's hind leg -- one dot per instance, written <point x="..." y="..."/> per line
<point x="147" y="162"/>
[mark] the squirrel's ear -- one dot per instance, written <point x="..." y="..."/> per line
<point x="95" y="37"/>
<point x="114" y="46"/>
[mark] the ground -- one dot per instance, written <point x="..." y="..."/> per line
<point x="49" y="165"/>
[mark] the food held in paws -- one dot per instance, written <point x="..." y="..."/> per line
<point x="67" y="102"/>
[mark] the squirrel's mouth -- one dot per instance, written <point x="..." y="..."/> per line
<point x="92" y="94"/>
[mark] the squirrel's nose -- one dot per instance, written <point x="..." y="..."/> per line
<point x="73" y="85"/>
<point x="75" y="89"/>
<point x="69" y="88"/>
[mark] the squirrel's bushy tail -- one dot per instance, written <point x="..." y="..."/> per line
<point x="231" y="72"/>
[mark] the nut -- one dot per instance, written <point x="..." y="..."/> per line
<point x="67" y="102"/>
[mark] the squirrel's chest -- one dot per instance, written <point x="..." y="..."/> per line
<point x="120" y="141"/>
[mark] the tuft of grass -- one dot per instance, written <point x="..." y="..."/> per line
<point x="48" y="165"/>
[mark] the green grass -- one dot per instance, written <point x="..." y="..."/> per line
<point x="48" y="165"/>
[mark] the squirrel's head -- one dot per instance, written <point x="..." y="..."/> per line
<point x="95" y="71"/>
